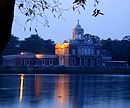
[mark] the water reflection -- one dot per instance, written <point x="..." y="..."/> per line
<point x="64" y="91"/>
<point x="77" y="87"/>
<point x="21" y="87"/>
<point x="38" y="85"/>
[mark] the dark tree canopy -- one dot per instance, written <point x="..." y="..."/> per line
<point x="119" y="49"/>
<point x="36" y="44"/>
<point x="13" y="46"/>
<point x="32" y="44"/>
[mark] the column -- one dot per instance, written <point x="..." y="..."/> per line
<point x="92" y="62"/>
<point x="80" y="61"/>
<point x="84" y="61"/>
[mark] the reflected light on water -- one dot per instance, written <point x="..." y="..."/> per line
<point x="21" y="87"/>
<point x="38" y="85"/>
<point x="62" y="91"/>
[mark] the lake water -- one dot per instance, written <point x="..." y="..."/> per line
<point x="64" y="91"/>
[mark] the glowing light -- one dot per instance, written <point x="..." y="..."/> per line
<point x="39" y="55"/>
<point x="21" y="87"/>
<point x="22" y="53"/>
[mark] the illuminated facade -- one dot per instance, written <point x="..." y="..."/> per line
<point x="30" y="59"/>
<point x="81" y="50"/>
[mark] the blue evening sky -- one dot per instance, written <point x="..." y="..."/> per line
<point x="114" y="24"/>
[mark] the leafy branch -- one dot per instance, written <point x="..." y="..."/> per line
<point x="32" y="9"/>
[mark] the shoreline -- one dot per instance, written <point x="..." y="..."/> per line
<point x="65" y="70"/>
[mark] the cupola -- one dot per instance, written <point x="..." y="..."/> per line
<point x="78" y="31"/>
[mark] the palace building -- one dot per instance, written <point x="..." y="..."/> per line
<point x="81" y="50"/>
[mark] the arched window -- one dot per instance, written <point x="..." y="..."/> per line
<point x="50" y="62"/>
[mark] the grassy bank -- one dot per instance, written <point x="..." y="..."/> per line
<point x="64" y="70"/>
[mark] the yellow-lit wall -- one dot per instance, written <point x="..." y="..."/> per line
<point x="61" y="49"/>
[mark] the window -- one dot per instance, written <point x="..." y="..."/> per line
<point x="79" y="51"/>
<point x="73" y="61"/>
<point x="86" y="51"/>
<point x="50" y="62"/>
<point x="89" y="61"/>
<point x="83" y="51"/>
<point x="98" y="52"/>
<point x="89" y="51"/>
<point x="28" y="62"/>
<point x="43" y="62"/>
<point x="73" y="51"/>
<point x="92" y="51"/>
<point x="23" y="62"/>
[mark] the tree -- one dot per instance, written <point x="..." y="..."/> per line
<point x="119" y="49"/>
<point x="13" y="46"/>
<point x="35" y="44"/>
<point x="31" y="9"/>
<point x="6" y="19"/>
<point x="129" y="55"/>
<point x="107" y="44"/>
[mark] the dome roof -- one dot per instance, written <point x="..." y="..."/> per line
<point x="78" y="31"/>
<point x="78" y="26"/>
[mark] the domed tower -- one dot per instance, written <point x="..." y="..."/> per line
<point x="78" y="31"/>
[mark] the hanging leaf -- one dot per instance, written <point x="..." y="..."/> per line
<point x="52" y="10"/>
<point x="26" y="13"/>
<point x="94" y="5"/>
<point x="46" y="7"/>
<point x="36" y="30"/>
<point x="83" y="6"/>
<point x="83" y="1"/>
<point x="73" y="8"/>
<point x="43" y="8"/>
<point x="75" y="1"/>
<point x="30" y="29"/>
<point x="101" y="13"/>
<point x="79" y="2"/>
<point x="30" y="11"/>
<point x="95" y="10"/>
<point x="78" y="11"/>
<point x="54" y="16"/>
<point x="27" y="20"/>
<point x="97" y="1"/>
<point x="21" y="6"/>
<point x="45" y="2"/>
<point x="34" y="6"/>
<point x="59" y="16"/>
<point x="93" y="13"/>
